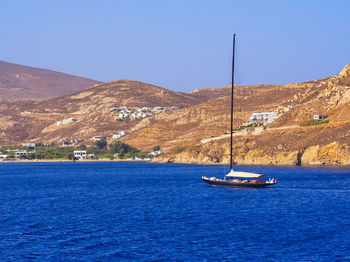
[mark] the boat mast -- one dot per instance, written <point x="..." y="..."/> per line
<point x="232" y="86"/>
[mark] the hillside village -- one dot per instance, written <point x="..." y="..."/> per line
<point x="28" y="148"/>
<point x="273" y="124"/>
<point x="259" y="120"/>
<point x="123" y="113"/>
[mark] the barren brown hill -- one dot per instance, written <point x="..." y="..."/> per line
<point x="186" y="133"/>
<point x="18" y="82"/>
<point x="93" y="109"/>
<point x="192" y="124"/>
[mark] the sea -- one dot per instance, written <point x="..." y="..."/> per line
<point x="139" y="211"/>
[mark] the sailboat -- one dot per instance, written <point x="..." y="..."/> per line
<point x="238" y="178"/>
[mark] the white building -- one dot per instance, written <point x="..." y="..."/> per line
<point x="80" y="154"/>
<point x="120" y="134"/>
<point x="124" y="112"/>
<point x="156" y="153"/>
<point x="29" y="144"/>
<point x="66" y="121"/>
<point x="3" y="156"/>
<point x="97" y="138"/>
<point x="21" y="153"/>
<point x="262" y="117"/>
<point x="319" y="117"/>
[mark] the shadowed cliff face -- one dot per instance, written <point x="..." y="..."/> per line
<point x="18" y="82"/>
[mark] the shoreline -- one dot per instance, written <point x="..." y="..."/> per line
<point x="159" y="162"/>
<point x="67" y="160"/>
<point x="247" y="164"/>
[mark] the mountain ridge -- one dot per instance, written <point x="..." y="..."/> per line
<point x="20" y="82"/>
<point x="93" y="108"/>
<point x="200" y="115"/>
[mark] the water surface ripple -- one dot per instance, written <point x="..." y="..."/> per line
<point x="119" y="211"/>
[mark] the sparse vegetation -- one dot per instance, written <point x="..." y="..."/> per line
<point x="247" y="126"/>
<point x="179" y="149"/>
<point x="117" y="149"/>
<point x="53" y="152"/>
<point x="156" y="148"/>
<point x="82" y="147"/>
<point x="101" y="144"/>
<point x="122" y="149"/>
<point x="314" y="122"/>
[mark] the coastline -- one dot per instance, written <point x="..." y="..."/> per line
<point x="67" y="160"/>
<point x="164" y="162"/>
<point x="161" y="161"/>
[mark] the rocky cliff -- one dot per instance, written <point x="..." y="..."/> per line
<point x="286" y="142"/>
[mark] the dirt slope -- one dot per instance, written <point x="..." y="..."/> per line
<point x="202" y="114"/>
<point x="93" y="109"/>
<point x="18" y="82"/>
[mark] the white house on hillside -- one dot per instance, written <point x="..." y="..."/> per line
<point x="319" y="117"/>
<point x="96" y="138"/>
<point x="29" y="144"/>
<point x="120" y="134"/>
<point x="156" y="153"/>
<point x="66" y="121"/>
<point x="262" y="117"/>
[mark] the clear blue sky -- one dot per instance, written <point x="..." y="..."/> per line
<point x="180" y="44"/>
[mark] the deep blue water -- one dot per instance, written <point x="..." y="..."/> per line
<point x="119" y="211"/>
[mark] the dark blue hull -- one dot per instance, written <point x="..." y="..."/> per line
<point x="227" y="183"/>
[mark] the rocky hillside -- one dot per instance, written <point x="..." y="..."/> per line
<point x="28" y="83"/>
<point x="195" y="132"/>
<point x="286" y="142"/>
<point x="212" y="118"/>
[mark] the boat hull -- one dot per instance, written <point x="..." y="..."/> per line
<point x="226" y="183"/>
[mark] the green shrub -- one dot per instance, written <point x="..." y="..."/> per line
<point x="156" y="148"/>
<point x="314" y="122"/>
<point x="179" y="149"/>
<point x="101" y="144"/>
